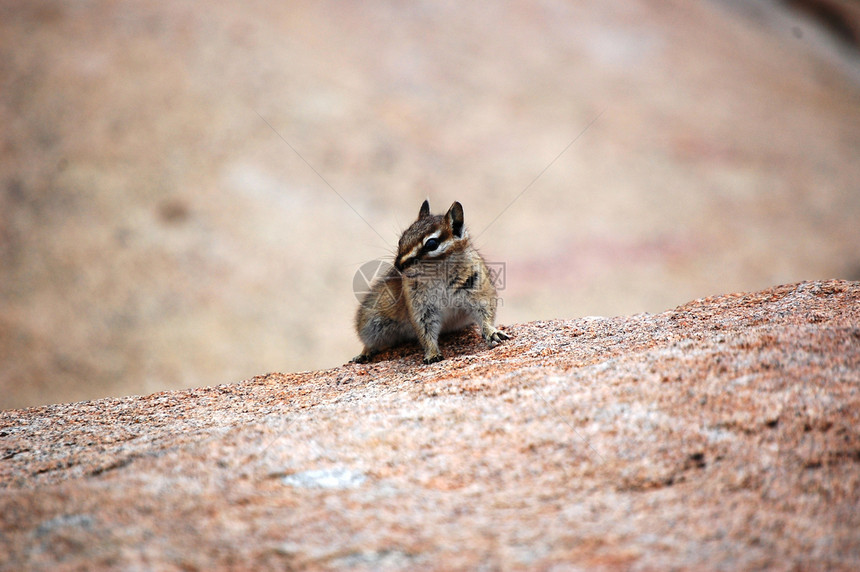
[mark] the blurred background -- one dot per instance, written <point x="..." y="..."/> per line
<point x="160" y="228"/>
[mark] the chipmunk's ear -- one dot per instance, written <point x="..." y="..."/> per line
<point x="425" y="209"/>
<point x="455" y="219"/>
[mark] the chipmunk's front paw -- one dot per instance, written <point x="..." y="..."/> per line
<point x="433" y="359"/>
<point x="363" y="357"/>
<point x="495" y="337"/>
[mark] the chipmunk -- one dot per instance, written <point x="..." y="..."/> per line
<point x="439" y="283"/>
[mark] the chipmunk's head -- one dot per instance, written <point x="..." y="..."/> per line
<point x="432" y="237"/>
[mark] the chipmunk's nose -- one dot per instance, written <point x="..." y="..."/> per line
<point x="402" y="263"/>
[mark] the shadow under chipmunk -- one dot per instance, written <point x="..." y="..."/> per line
<point x="457" y="344"/>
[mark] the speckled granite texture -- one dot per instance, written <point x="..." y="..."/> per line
<point x="723" y="434"/>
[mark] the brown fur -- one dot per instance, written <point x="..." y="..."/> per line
<point x="432" y="288"/>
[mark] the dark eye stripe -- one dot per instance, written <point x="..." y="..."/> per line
<point x="404" y="263"/>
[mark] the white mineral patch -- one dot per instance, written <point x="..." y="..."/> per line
<point x="337" y="478"/>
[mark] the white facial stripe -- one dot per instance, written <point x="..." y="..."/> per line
<point x="413" y="253"/>
<point x="436" y="234"/>
<point x="443" y="246"/>
<point x="435" y="253"/>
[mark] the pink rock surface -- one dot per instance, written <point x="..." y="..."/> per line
<point x="723" y="434"/>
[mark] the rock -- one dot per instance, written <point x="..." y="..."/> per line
<point x="723" y="434"/>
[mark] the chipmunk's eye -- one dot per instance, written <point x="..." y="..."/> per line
<point x="431" y="244"/>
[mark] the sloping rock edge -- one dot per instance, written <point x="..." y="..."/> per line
<point x="724" y="433"/>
